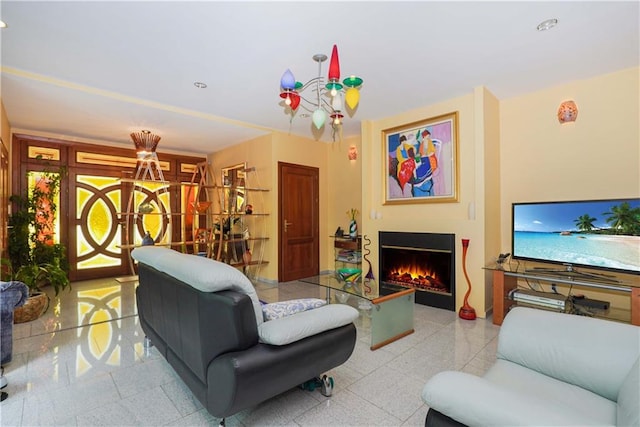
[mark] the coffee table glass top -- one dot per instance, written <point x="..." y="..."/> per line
<point x="330" y="280"/>
<point x="369" y="291"/>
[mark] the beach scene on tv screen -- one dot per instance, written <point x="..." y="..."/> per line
<point x="604" y="234"/>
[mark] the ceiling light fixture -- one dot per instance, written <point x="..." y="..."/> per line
<point x="328" y="98"/>
<point x="145" y="142"/>
<point x="200" y="85"/>
<point x="3" y="24"/>
<point x="547" y="25"/>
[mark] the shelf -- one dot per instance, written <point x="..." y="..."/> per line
<point x="504" y="281"/>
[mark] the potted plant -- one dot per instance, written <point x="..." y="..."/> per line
<point x="34" y="258"/>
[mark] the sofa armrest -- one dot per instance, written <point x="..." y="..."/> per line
<point x="472" y="400"/>
<point x="286" y="330"/>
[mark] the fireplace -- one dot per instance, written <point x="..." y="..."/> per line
<point x="421" y="261"/>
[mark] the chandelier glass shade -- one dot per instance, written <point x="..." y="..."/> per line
<point x="326" y="99"/>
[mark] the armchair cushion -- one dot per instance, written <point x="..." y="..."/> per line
<point x="286" y="330"/>
<point x="276" y="310"/>
<point x="629" y="398"/>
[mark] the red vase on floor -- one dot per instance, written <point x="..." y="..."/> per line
<point x="466" y="311"/>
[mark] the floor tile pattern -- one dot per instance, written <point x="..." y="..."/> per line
<point x="84" y="364"/>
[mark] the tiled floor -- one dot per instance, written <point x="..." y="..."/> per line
<point x="83" y="363"/>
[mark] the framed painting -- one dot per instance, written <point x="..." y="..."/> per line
<point x="421" y="161"/>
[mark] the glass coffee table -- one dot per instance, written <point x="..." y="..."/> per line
<point x="391" y="314"/>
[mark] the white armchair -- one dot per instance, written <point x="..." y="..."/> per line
<point x="551" y="369"/>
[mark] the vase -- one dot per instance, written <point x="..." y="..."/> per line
<point x="246" y="257"/>
<point x="147" y="240"/>
<point x="466" y="311"/>
<point x="353" y="229"/>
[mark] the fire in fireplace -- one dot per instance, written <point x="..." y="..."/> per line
<point x="422" y="261"/>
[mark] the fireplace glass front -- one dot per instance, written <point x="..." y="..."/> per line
<point x="420" y="261"/>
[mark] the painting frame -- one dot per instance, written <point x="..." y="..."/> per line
<point x="421" y="161"/>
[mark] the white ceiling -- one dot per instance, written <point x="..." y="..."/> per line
<point x="98" y="71"/>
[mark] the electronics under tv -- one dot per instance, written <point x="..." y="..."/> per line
<point x="598" y="234"/>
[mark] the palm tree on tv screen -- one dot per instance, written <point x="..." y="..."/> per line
<point x="624" y="219"/>
<point x="585" y="222"/>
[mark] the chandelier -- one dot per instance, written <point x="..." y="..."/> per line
<point x="328" y="99"/>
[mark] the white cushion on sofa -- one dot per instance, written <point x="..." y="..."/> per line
<point x="276" y="310"/>
<point x="202" y="273"/>
<point x="305" y="324"/>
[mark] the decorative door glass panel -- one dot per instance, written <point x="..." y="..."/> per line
<point x="52" y="228"/>
<point x="153" y="212"/>
<point x="98" y="200"/>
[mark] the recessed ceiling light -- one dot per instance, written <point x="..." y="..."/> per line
<point x="145" y="131"/>
<point x="200" y="85"/>
<point x="547" y="25"/>
<point x="3" y="24"/>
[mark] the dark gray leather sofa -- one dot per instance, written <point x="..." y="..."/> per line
<point x="212" y="341"/>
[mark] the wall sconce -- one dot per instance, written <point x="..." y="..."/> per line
<point x="353" y="153"/>
<point x="567" y="112"/>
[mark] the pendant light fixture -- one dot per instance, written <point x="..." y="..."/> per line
<point x="328" y="100"/>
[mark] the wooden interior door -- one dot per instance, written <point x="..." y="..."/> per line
<point x="299" y="225"/>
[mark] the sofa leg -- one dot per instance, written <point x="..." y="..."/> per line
<point x="325" y="384"/>
<point x="222" y="423"/>
<point x="147" y="343"/>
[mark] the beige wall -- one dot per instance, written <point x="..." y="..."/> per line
<point x="264" y="153"/>
<point x="597" y="157"/>
<point x="452" y="217"/>
<point x="515" y="150"/>
<point x="345" y="191"/>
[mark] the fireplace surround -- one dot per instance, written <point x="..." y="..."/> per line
<point x="421" y="261"/>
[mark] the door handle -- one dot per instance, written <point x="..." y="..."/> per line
<point x="286" y="225"/>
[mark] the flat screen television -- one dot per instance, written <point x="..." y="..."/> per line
<point x="599" y="234"/>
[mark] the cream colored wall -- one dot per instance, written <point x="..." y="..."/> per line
<point x="597" y="157"/>
<point x="434" y="217"/>
<point x="345" y="190"/>
<point x="488" y="198"/>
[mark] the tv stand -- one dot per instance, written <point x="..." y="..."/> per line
<point x="504" y="281"/>
<point x="570" y="272"/>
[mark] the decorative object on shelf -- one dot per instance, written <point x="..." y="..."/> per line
<point x="249" y="210"/>
<point x="420" y="161"/>
<point x="567" y="112"/>
<point x="202" y="206"/>
<point x="369" y="278"/>
<point x="246" y="258"/>
<point x="349" y="275"/>
<point x="145" y="208"/>
<point x="339" y="232"/>
<point x="466" y="311"/>
<point x="147" y="240"/>
<point x="292" y="93"/>
<point x="502" y="258"/>
<point x="353" y="225"/>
